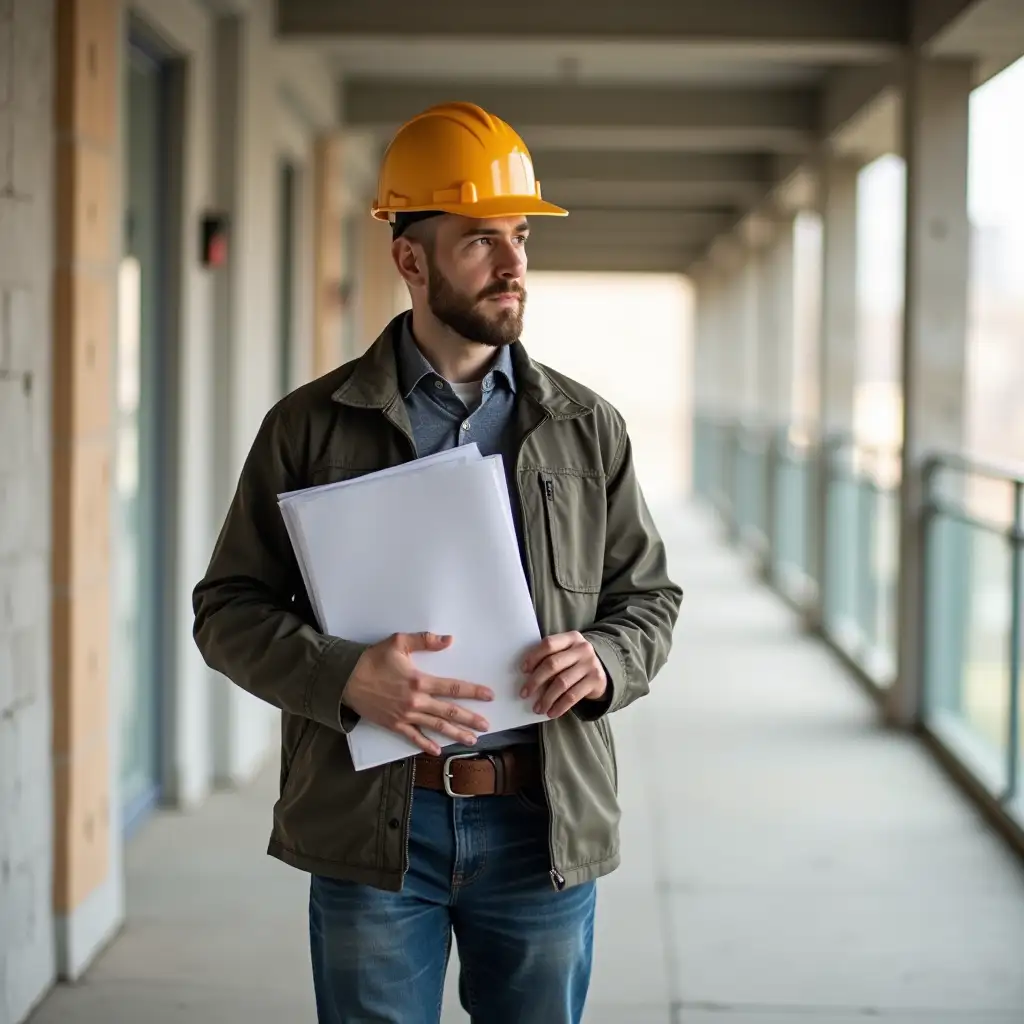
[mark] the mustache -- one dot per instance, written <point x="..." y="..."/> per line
<point x="502" y="288"/>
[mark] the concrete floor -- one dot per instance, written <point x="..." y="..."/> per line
<point x="786" y="862"/>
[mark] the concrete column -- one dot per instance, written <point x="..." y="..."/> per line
<point x="775" y="376"/>
<point x="378" y="280"/>
<point x="837" y="365"/>
<point x="775" y="373"/>
<point x="87" y="883"/>
<point x="767" y="312"/>
<point x="750" y="334"/>
<point x="328" y="205"/>
<point x="935" y="139"/>
<point x="731" y="340"/>
<point x="708" y="397"/>
<point x="702" y="384"/>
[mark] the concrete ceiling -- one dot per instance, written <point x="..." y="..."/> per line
<point x="660" y="124"/>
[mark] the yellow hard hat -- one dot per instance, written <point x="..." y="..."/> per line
<point x="457" y="158"/>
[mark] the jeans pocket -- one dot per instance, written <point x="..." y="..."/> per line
<point x="532" y="799"/>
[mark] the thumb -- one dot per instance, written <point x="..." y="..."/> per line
<point x="425" y="642"/>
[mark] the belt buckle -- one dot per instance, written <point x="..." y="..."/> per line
<point x="446" y="773"/>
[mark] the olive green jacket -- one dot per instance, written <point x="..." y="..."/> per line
<point x="595" y="564"/>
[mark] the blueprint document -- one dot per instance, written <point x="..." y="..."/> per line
<point x="428" y="545"/>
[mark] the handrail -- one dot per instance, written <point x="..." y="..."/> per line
<point x="1014" y="534"/>
<point x="741" y="444"/>
<point x="963" y="462"/>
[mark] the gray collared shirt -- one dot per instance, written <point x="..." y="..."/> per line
<point x="440" y="420"/>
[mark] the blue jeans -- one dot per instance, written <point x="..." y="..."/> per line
<point x="478" y="868"/>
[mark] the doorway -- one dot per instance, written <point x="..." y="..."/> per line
<point x="143" y="431"/>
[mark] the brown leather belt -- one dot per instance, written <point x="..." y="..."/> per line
<point x="494" y="773"/>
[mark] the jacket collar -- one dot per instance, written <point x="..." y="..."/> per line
<point x="373" y="383"/>
<point x="413" y="365"/>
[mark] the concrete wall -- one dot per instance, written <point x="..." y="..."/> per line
<point x="26" y="229"/>
<point x="61" y="840"/>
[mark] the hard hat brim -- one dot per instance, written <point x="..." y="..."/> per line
<point x="485" y="209"/>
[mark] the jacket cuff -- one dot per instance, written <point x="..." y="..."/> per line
<point x="614" y="668"/>
<point x="327" y="686"/>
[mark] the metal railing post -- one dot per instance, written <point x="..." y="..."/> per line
<point x="1016" y="561"/>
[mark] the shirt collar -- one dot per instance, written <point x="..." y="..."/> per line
<point x="413" y="365"/>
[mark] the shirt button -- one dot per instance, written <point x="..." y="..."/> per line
<point x="465" y="426"/>
<point x="488" y="384"/>
<point x="439" y="384"/>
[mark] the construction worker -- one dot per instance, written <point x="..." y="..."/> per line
<point x="500" y="848"/>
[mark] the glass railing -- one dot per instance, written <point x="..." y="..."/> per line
<point x="791" y="487"/>
<point x="765" y="484"/>
<point x="858" y="611"/>
<point x="973" y="581"/>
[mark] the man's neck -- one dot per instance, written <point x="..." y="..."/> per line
<point x="455" y="358"/>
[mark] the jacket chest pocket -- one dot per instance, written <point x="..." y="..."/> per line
<point x="575" y="517"/>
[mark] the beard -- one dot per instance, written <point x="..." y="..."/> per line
<point x="465" y="315"/>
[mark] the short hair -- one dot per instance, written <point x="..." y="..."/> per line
<point x="404" y="221"/>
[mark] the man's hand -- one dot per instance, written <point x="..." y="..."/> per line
<point x="386" y="687"/>
<point x="562" y="670"/>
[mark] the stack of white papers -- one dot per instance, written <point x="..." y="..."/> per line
<point x="428" y="545"/>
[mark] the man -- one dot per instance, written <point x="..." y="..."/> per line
<point x="502" y="843"/>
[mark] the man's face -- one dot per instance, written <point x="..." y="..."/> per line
<point x="477" y="277"/>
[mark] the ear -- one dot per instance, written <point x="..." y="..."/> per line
<point x="411" y="262"/>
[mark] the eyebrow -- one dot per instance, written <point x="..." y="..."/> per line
<point x="492" y="232"/>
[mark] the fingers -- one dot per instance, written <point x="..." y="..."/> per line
<point x="571" y="697"/>
<point x="410" y="732"/>
<point x="448" y="712"/>
<point x="409" y="642"/>
<point x="442" y="725"/>
<point x="451" y="689"/>
<point x="558" y="687"/>
<point x="548" y="646"/>
<point x="550" y="667"/>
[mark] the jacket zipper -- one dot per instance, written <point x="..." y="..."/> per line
<point x="557" y="878"/>
<point x="408" y="812"/>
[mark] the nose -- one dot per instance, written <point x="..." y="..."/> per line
<point x="512" y="262"/>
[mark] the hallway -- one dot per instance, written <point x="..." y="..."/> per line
<point x="785" y="860"/>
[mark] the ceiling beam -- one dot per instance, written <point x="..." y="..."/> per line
<point x="991" y="32"/>
<point x="637" y="180"/>
<point x="615" y="226"/>
<point x="679" y="195"/>
<point x="611" y="259"/>
<point x="849" y="91"/>
<point x="862" y="26"/>
<point x="608" y="165"/>
<point x="929" y="18"/>
<point x="605" y="117"/>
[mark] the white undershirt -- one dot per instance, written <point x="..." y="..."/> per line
<point x="470" y="393"/>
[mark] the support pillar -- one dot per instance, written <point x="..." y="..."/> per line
<point x="87" y="879"/>
<point x="775" y="378"/>
<point x="935" y="137"/>
<point x="328" y="206"/>
<point x="750" y="333"/>
<point x="378" y="281"/>
<point x="700" y="382"/>
<point x="837" y="370"/>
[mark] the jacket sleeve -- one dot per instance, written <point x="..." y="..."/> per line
<point x="639" y="604"/>
<point x="252" y="618"/>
